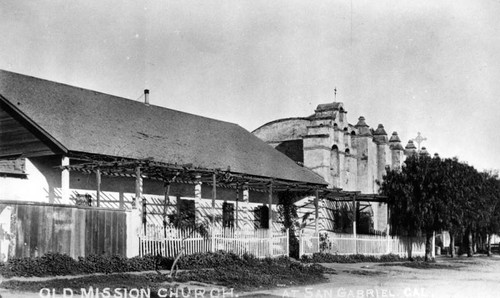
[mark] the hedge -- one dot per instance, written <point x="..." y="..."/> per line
<point x="356" y="258"/>
<point x="52" y="264"/>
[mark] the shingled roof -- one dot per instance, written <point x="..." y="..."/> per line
<point x="96" y="123"/>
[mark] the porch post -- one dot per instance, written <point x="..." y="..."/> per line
<point x="246" y="215"/>
<point x="354" y="209"/>
<point x="214" y="197"/>
<point x="316" y="211"/>
<point x="65" y="181"/>
<point x="138" y="196"/>
<point x="166" y="203"/>
<point x="237" y="200"/>
<point x="197" y="187"/>
<point x="138" y="188"/>
<point x="134" y="219"/>
<point x="197" y="199"/>
<point x="270" y="215"/>
<point x="98" y="182"/>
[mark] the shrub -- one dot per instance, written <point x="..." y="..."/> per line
<point x="357" y="258"/>
<point x="391" y="258"/>
<point x="213" y="260"/>
<point x="52" y="264"/>
<point x="48" y="264"/>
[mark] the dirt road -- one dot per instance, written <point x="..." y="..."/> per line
<point x="461" y="277"/>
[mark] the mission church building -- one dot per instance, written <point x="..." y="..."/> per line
<point x="349" y="157"/>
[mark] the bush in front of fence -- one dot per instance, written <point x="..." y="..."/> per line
<point x="214" y="259"/>
<point x="52" y="264"/>
<point x="48" y="264"/>
<point x="356" y="258"/>
<point x="248" y="272"/>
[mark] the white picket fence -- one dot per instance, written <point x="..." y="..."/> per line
<point x="346" y="244"/>
<point x="169" y="242"/>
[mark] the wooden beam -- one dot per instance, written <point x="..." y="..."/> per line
<point x="162" y="171"/>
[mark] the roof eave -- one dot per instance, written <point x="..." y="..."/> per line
<point x="32" y="127"/>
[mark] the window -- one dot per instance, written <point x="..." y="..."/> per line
<point x="227" y="215"/>
<point x="186" y="210"/>
<point x="261" y="217"/>
<point x="13" y="168"/>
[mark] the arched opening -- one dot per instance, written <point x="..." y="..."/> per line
<point x="335" y="165"/>
<point x="353" y="133"/>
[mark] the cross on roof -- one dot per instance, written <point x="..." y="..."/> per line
<point x="419" y="139"/>
<point x="335" y="94"/>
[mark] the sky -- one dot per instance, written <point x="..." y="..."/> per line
<point x="415" y="66"/>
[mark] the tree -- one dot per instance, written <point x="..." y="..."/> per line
<point x="489" y="222"/>
<point x="184" y="222"/>
<point x="414" y="199"/>
<point x="287" y="211"/>
<point x="431" y="194"/>
<point x="455" y="192"/>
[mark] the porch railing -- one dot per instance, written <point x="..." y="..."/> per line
<point x="169" y="242"/>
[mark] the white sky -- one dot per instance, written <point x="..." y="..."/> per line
<point x="428" y="66"/>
